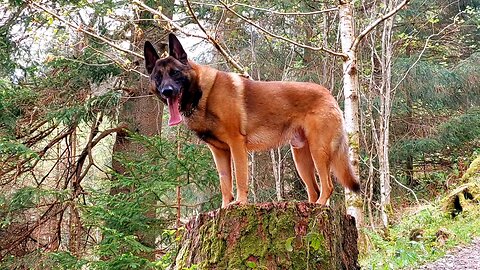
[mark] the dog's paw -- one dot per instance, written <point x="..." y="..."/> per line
<point x="227" y="202"/>
<point x="236" y="203"/>
<point x="325" y="202"/>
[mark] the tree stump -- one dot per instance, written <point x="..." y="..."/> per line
<point x="285" y="235"/>
<point x="467" y="194"/>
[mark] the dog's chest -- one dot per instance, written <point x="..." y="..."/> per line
<point x="199" y="121"/>
<point x="206" y="128"/>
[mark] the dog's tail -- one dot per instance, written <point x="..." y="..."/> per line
<point x="341" y="166"/>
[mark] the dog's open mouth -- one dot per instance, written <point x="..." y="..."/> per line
<point x="174" y="112"/>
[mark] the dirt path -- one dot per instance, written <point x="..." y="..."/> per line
<point x="466" y="257"/>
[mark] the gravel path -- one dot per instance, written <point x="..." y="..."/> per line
<point x="465" y="257"/>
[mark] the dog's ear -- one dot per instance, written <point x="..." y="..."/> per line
<point x="151" y="56"/>
<point x="176" y="49"/>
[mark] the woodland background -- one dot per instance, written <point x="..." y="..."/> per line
<point x="89" y="175"/>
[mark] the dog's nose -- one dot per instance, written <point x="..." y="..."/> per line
<point x="167" y="91"/>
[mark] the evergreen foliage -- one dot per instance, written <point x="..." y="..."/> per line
<point x="15" y="101"/>
<point x="61" y="90"/>
<point x="444" y="103"/>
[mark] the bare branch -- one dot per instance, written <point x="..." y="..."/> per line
<point x="124" y="66"/>
<point x="46" y="216"/>
<point x="83" y="30"/>
<point x="171" y="25"/>
<point x="425" y="46"/>
<point x="375" y="23"/>
<point x="93" y="141"/>
<point x="407" y="188"/>
<point x="40" y="154"/>
<point x="272" y="11"/>
<point x="278" y="36"/>
<point x="216" y="44"/>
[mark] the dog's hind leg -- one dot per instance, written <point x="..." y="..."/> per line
<point x="322" y="163"/>
<point x="306" y="169"/>
<point x="224" y="168"/>
<point x="320" y="150"/>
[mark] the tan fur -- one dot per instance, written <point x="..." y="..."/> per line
<point x="274" y="113"/>
<point x="236" y="115"/>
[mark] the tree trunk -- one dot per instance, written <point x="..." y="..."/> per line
<point x="386" y="97"/>
<point x="141" y="112"/>
<point x="276" y="156"/>
<point x="283" y="235"/>
<point x="354" y="202"/>
<point x="253" y="178"/>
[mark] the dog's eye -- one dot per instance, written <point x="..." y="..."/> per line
<point x="174" y="72"/>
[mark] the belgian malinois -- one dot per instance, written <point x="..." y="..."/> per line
<point x="234" y="115"/>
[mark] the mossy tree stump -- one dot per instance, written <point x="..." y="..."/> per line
<point x="466" y="195"/>
<point x="270" y="236"/>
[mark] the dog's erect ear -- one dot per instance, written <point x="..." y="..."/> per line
<point x="151" y="56"/>
<point x="176" y="49"/>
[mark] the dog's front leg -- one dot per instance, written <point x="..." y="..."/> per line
<point x="240" y="160"/>
<point x="224" y="168"/>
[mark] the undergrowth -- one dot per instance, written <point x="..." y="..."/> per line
<point x="423" y="236"/>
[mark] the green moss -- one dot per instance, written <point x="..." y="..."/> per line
<point x="473" y="171"/>
<point x="182" y="255"/>
<point x="252" y="246"/>
<point x="354" y="201"/>
<point x="251" y="236"/>
<point x="398" y="251"/>
<point x="353" y="140"/>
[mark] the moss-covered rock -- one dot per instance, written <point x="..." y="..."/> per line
<point x="459" y="199"/>
<point x="270" y="236"/>
<point x="473" y="172"/>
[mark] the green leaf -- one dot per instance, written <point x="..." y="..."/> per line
<point x="288" y="244"/>
<point x="251" y="264"/>
<point x="315" y="240"/>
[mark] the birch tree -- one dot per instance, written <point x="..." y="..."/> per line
<point x="384" y="121"/>
<point x="349" y="46"/>
<point x="353" y="202"/>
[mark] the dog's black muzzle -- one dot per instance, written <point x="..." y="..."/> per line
<point x="167" y="91"/>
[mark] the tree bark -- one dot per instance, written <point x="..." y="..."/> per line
<point x="276" y="156"/>
<point x="282" y="235"/>
<point x="386" y="99"/>
<point x="354" y="202"/>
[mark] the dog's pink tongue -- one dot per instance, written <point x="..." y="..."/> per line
<point x="175" y="117"/>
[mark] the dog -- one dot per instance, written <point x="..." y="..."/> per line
<point x="234" y="115"/>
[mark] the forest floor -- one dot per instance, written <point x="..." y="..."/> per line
<point x="462" y="257"/>
<point x="444" y="234"/>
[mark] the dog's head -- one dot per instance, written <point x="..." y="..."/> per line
<point x="170" y="77"/>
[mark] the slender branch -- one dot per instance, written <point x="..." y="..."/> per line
<point x="94" y="140"/>
<point x="407" y="188"/>
<point x="46" y="216"/>
<point x="83" y="30"/>
<point x="40" y="154"/>
<point x="217" y="45"/>
<point x="118" y="63"/>
<point x="375" y="23"/>
<point x="171" y="25"/>
<point x="272" y="11"/>
<point x="278" y="36"/>
<point x="423" y="51"/>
